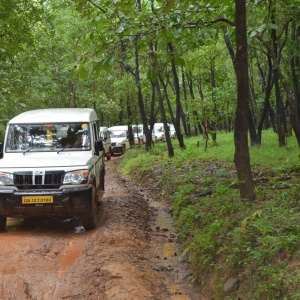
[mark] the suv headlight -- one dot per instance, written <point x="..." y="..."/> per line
<point x="6" y="179"/>
<point x="76" y="177"/>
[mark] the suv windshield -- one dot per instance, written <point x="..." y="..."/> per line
<point x="117" y="133"/>
<point x="48" y="137"/>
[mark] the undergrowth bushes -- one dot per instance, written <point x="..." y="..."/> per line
<point x="223" y="236"/>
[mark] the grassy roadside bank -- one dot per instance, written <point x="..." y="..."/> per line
<point x="237" y="249"/>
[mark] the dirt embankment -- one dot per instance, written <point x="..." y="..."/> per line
<point x="131" y="255"/>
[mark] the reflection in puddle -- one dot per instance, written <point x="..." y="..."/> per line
<point x="163" y="222"/>
<point x="169" y="250"/>
<point x="68" y="259"/>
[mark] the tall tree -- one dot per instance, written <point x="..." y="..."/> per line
<point x="179" y="112"/>
<point x="242" y="156"/>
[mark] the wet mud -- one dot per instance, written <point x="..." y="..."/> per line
<point x="132" y="254"/>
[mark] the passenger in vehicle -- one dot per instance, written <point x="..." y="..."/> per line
<point x="78" y="137"/>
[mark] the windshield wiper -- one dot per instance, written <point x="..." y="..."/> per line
<point x="29" y="149"/>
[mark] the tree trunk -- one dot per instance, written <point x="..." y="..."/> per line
<point x="188" y="125"/>
<point x="179" y="114"/>
<point x="161" y="104"/>
<point x="136" y="74"/>
<point x="295" y="122"/>
<point x="280" y="113"/>
<point x="197" y="121"/>
<point x="241" y="156"/>
<point x="140" y="96"/>
<point x="295" y="65"/>
<point x="267" y="88"/>
<point x="162" y="82"/>
<point x="254" y="137"/>
<point x="130" y="121"/>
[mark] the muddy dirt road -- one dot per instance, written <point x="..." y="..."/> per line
<point x="131" y="254"/>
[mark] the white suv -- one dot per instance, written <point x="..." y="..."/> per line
<point x="52" y="165"/>
<point x="119" y="139"/>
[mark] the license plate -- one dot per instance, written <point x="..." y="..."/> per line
<point x="37" y="199"/>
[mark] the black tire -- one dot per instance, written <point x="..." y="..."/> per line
<point x="89" y="219"/>
<point x="123" y="150"/>
<point x="102" y="177"/>
<point x="100" y="191"/>
<point x="3" y="223"/>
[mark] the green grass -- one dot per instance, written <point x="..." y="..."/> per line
<point x="223" y="236"/>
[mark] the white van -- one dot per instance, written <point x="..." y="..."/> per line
<point x="105" y="137"/>
<point x="119" y="139"/>
<point x="52" y="165"/>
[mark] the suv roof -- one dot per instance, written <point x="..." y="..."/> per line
<point x="53" y="115"/>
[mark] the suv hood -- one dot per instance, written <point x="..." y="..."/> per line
<point x="44" y="160"/>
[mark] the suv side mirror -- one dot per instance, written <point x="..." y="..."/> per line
<point x="98" y="146"/>
<point x="1" y="149"/>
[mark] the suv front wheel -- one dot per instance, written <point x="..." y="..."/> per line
<point x="89" y="219"/>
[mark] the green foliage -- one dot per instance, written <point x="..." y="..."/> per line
<point x="223" y="236"/>
<point x="138" y="165"/>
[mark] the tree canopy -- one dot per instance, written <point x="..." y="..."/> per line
<point x="154" y="61"/>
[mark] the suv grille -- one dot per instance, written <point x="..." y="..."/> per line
<point x="49" y="179"/>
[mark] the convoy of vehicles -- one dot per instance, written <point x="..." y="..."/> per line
<point x="120" y="139"/>
<point x="52" y="165"/>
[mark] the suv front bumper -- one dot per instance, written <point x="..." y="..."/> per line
<point x="118" y="150"/>
<point x="73" y="200"/>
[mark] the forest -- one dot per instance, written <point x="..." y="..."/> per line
<point x="204" y="66"/>
<point x="209" y="67"/>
